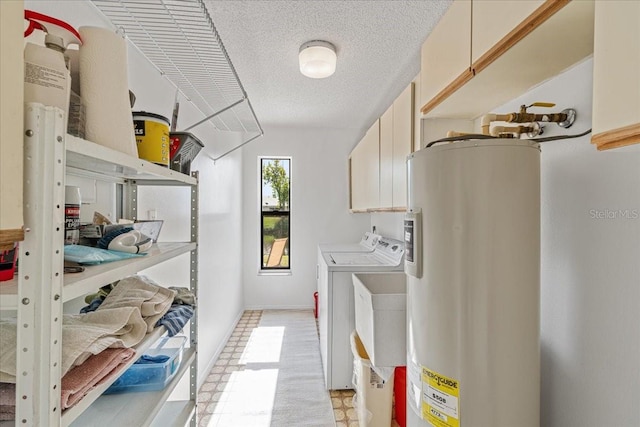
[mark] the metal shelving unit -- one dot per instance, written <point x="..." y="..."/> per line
<point x="180" y="39"/>
<point x="42" y="288"/>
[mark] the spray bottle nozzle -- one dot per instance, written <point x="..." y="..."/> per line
<point x="59" y="33"/>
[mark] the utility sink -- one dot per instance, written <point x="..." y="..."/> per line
<point x="381" y="316"/>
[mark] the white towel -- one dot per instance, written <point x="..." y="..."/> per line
<point x="86" y="334"/>
<point x="151" y="299"/>
<point x="82" y="336"/>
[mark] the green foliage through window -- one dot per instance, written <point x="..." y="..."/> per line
<point x="275" y="179"/>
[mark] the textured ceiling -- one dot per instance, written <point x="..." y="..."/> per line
<point x="377" y="43"/>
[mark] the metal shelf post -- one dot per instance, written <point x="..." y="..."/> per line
<point x="193" y="285"/>
<point x="40" y="277"/>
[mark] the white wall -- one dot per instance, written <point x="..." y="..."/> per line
<point x="319" y="210"/>
<point x="388" y="224"/>
<point x="590" y="281"/>
<point x="220" y="233"/>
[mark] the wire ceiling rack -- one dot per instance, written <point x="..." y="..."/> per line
<point x="180" y="39"/>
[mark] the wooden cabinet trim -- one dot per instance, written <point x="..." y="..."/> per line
<point x="350" y="183"/>
<point x="395" y="209"/>
<point x="616" y="138"/>
<point x="9" y="237"/>
<point x="456" y="84"/>
<point x="533" y="21"/>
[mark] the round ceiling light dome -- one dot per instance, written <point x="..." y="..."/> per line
<point x="317" y="59"/>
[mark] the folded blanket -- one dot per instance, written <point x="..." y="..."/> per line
<point x="82" y="336"/>
<point x="8" y="344"/>
<point x="147" y="359"/>
<point x="183" y="296"/>
<point x="102" y="293"/>
<point x="94" y="371"/>
<point x="152" y="300"/>
<point x="91" y="333"/>
<point x="175" y="319"/>
<point x="93" y="305"/>
<point x="7" y="401"/>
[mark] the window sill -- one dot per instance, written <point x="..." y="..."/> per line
<point x="274" y="272"/>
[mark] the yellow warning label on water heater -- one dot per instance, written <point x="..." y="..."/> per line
<point x="440" y="399"/>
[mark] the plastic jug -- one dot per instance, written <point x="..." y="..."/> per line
<point x="47" y="79"/>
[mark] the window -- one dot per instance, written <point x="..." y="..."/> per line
<point x="275" y="183"/>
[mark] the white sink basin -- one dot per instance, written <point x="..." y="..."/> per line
<point x="381" y="319"/>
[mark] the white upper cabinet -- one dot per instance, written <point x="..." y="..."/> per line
<point x="616" y="74"/>
<point x="387" y="126"/>
<point x="494" y="19"/>
<point x="365" y="171"/>
<point x="11" y="112"/>
<point x="378" y="170"/>
<point x="446" y="54"/>
<point x="403" y="108"/>
<point x="530" y="45"/>
<point x="417" y="115"/>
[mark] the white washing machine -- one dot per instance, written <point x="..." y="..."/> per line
<point x="336" y="307"/>
<point x="367" y="243"/>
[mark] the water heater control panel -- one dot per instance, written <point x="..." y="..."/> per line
<point x="413" y="242"/>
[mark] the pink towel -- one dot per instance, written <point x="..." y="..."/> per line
<point x="94" y="371"/>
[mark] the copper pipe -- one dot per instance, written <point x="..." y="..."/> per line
<point x="530" y="117"/>
<point x="520" y="117"/>
<point x="517" y="130"/>
<point x="453" y="133"/>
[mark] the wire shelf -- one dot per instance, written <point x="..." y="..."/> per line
<point x="180" y="39"/>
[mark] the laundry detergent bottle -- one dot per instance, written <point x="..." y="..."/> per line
<point x="47" y="79"/>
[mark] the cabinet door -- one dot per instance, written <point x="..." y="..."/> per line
<point x="387" y="127"/>
<point x="402" y="144"/>
<point x="446" y="54"/>
<point x="365" y="170"/>
<point x="417" y="115"/>
<point x="11" y="127"/>
<point x="343" y="322"/>
<point x="616" y="74"/>
<point x="494" y="19"/>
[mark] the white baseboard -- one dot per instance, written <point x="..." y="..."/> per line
<point x="221" y="347"/>
<point x="280" y="307"/>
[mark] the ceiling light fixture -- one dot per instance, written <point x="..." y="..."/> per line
<point x="317" y="59"/>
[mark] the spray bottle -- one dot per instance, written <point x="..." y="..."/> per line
<point x="47" y="79"/>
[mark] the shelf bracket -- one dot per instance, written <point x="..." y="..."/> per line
<point x="206" y="119"/>
<point x="239" y="146"/>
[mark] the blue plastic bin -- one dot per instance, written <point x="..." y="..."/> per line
<point x="155" y="376"/>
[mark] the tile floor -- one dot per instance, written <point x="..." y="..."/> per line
<point x="214" y="400"/>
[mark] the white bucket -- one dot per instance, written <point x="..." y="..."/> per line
<point x="152" y="137"/>
<point x="374" y="398"/>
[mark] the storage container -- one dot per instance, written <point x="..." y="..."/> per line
<point x="8" y="260"/>
<point x="152" y="376"/>
<point x="374" y="397"/>
<point x="184" y="148"/>
<point x="152" y="137"/>
<point x="381" y="319"/>
<point x="400" y="395"/>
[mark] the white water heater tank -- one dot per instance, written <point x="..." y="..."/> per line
<point x="473" y="270"/>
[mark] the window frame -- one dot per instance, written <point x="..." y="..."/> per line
<point x="263" y="270"/>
